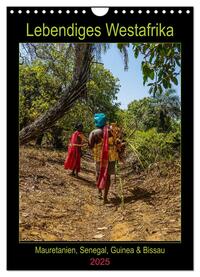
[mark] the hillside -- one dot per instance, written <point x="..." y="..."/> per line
<point x="55" y="206"/>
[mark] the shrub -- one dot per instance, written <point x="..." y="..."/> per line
<point x="150" y="146"/>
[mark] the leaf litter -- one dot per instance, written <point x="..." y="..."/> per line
<point x="55" y="206"/>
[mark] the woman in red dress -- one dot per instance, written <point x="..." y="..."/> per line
<point x="73" y="159"/>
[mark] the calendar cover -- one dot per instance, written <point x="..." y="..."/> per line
<point x="99" y="138"/>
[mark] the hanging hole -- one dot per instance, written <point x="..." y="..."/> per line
<point x="99" y="11"/>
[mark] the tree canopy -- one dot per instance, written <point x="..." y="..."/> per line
<point x="41" y="86"/>
<point x="56" y="77"/>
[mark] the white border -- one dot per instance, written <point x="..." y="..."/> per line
<point x="3" y="4"/>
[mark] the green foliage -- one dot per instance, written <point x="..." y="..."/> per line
<point x="42" y="80"/>
<point x="167" y="109"/>
<point x="79" y="113"/>
<point x="160" y="64"/>
<point x="123" y="49"/>
<point x="37" y="90"/>
<point x="102" y="91"/>
<point x="142" y="114"/>
<point x="152" y="128"/>
<point x="101" y="97"/>
<point x="158" y="112"/>
<point x="152" y="124"/>
<point x="22" y="110"/>
<point x="150" y="146"/>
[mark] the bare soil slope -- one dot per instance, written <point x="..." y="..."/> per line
<point x="55" y="206"/>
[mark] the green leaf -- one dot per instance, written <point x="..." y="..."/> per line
<point x="145" y="68"/>
<point x="145" y="77"/>
<point x="151" y="74"/>
<point x="151" y="90"/>
<point x="160" y="89"/>
<point x="151" y="57"/>
<point x="165" y="83"/>
<point x="146" y="46"/>
<point x="136" y="53"/>
<point x="177" y="61"/>
<point x="120" y="46"/>
<point x="174" y="80"/>
<point x="169" y="52"/>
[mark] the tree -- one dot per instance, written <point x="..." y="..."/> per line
<point x="161" y="112"/>
<point x="43" y="75"/>
<point x="39" y="88"/>
<point x="160" y="64"/>
<point x="102" y="89"/>
<point x="141" y="113"/>
<point x="167" y="107"/>
<point x="82" y="60"/>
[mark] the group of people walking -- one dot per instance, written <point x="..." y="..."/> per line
<point x="105" y="143"/>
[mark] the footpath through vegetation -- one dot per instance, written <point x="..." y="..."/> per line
<point x="54" y="206"/>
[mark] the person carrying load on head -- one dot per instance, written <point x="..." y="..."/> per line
<point x="101" y="141"/>
<point x="73" y="159"/>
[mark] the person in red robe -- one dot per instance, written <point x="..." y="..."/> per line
<point x="73" y="159"/>
<point x="105" y="155"/>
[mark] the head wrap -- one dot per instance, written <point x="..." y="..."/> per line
<point x="100" y="120"/>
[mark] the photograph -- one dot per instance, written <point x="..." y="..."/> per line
<point x="100" y="142"/>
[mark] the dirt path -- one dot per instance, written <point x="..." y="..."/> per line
<point x="55" y="206"/>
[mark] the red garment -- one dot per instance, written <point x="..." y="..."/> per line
<point x="73" y="159"/>
<point x="103" y="174"/>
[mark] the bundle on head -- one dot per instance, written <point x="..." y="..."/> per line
<point x="118" y="140"/>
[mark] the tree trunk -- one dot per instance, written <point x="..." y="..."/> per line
<point x="83" y="57"/>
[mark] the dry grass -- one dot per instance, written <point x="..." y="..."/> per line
<point x="57" y="207"/>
